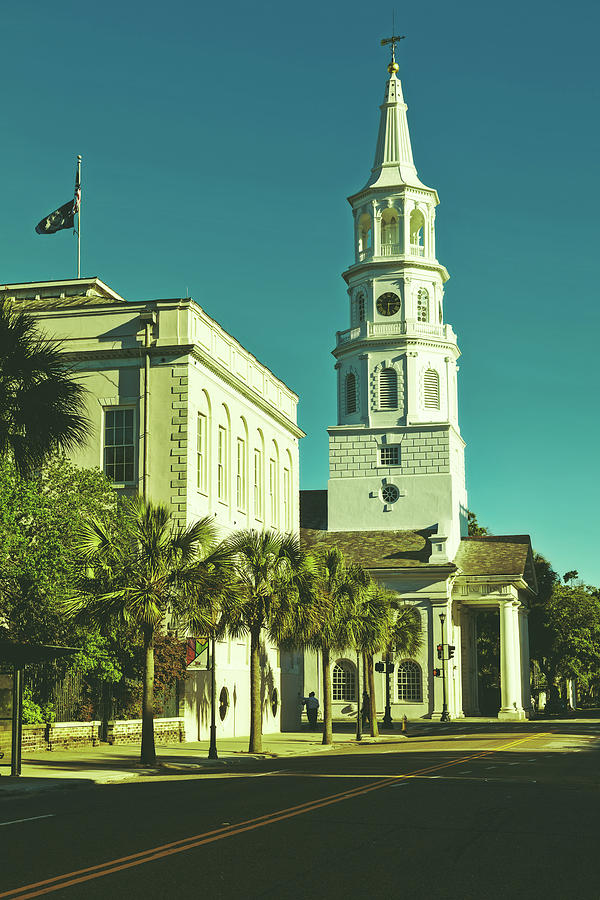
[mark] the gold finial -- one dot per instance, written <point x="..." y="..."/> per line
<point x="393" y="66"/>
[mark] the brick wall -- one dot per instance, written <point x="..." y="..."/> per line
<point x="423" y="451"/>
<point x="70" y="735"/>
<point x="65" y="735"/>
<point x="129" y="731"/>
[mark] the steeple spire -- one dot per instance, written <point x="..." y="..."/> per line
<point x="394" y="163"/>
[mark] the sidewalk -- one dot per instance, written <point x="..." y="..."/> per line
<point x="105" y="764"/>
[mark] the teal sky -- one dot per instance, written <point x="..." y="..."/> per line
<point x="219" y="143"/>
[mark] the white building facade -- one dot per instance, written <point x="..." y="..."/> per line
<point x="179" y="406"/>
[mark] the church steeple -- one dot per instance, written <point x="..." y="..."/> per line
<point x="396" y="455"/>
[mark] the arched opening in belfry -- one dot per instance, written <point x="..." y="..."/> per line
<point x="417" y="233"/>
<point x="390" y="231"/>
<point x="365" y="233"/>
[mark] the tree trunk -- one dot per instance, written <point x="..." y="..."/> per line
<point x="148" y="751"/>
<point x="255" y="745"/>
<point x="372" y="703"/>
<point x="327" y="723"/>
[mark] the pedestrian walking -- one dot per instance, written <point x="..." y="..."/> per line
<point x="312" y="707"/>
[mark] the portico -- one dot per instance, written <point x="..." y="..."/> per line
<point x="506" y="593"/>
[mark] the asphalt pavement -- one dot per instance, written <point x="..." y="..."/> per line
<point x="473" y="811"/>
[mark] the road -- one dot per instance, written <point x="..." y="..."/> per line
<point x="510" y="813"/>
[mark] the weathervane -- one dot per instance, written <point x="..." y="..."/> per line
<point x="393" y="40"/>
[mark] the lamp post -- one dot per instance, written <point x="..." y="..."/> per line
<point x="445" y="714"/>
<point x="212" y="750"/>
<point x="387" y="716"/>
<point x="358" y="731"/>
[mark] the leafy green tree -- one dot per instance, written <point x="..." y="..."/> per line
<point x="41" y="404"/>
<point x="39" y="518"/>
<point x="275" y="588"/>
<point x="565" y="636"/>
<point x="475" y="529"/>
<point x="151" y="568"/>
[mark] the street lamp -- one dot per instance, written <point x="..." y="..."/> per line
<point x="358" y="731"/>
<point x="445" y="714"/>
<point x="387" y="716"/>
<point x="212" y="750"/>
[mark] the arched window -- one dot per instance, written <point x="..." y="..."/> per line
<point x="410" y="682"/>
<point x="417" y="233"/>
<point x="350" y="392"/>
<point x="343" y="680"/>
<point x="431" y="389"/>
<point x="364" y="233"/>
<point x="422" y="305"/>
<point x="389" y="232"/>
<point x="388" y="389"/>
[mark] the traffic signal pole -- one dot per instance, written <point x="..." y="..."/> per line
<point x="445" y="717"/>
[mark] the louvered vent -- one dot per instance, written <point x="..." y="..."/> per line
<point x="388" y="389"/>
<point x="350" y="393"/>
<point x="431" y="389"/>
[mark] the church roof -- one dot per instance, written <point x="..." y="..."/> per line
<point x="375" y="549"/>
<point x="503" y="554"/>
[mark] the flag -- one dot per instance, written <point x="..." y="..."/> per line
<point x="64" y="216"/>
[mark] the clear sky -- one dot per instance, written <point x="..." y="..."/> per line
<point x="219" y="143"/>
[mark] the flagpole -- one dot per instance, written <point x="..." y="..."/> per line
<point x="79" y="219"/>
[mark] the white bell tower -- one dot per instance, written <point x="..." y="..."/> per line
<point x="396" y="455"/>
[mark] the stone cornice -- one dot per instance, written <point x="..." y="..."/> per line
<point x="396" y="265"/>
<point x="179" y="350"/>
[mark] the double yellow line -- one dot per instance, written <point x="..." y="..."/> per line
<point x="79" y="876"/>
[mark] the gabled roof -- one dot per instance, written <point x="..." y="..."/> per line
<point x="58" y="294"/>
<point x="502" y="554"/>
<point x="375" y="549"/>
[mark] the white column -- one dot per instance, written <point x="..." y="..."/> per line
<point x="376" y="226"/>
<point x="525" y="667"/>
<point x="510" y="663"/>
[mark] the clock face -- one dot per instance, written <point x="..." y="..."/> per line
<point x="388" y="304"/>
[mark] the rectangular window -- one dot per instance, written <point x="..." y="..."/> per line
<point x="287" y="500"/>
<point x="273" y="491"/>
<point x="241" y="474"/>
<point x="222" y="464"/>
<point x="201" y="454"/>
<point x="119" y="445"/>
<point x="258" y="485"/>
<point x="390" y="455"/>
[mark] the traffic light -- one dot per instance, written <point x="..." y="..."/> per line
<point x="451" y="649"/>
<point x="380" y="667"/>
<point x="390" y="668"/>
<point x="437" y="672"/>
<point x="440" y="650"/>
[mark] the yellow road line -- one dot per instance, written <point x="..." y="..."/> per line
<point x="68" y="879"/>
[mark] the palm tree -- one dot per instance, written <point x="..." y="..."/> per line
<point x="41" y="405"/>
<point x="370" y="624"/>
<point x="146" y="570"/>
<point x="335" y="586"/>
<point x="274" y="576"/>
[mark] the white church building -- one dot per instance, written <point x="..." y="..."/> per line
<point x="396" y="500"/>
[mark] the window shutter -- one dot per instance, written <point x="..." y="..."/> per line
<point x="388" y="389"/>
<point x="431" y="389"/>
<point x="350" y="393"/>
